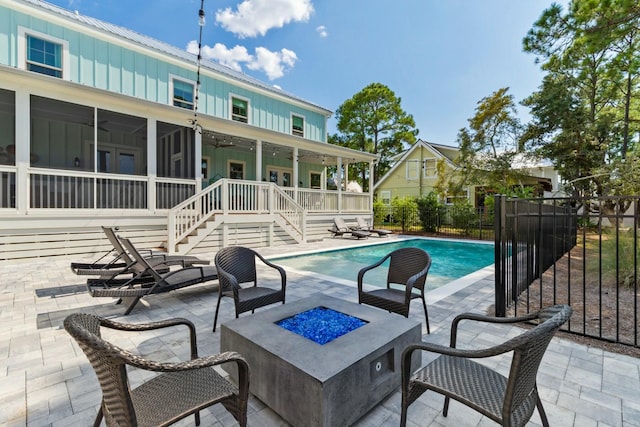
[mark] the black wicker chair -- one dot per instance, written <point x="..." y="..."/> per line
<point x="237" y="266"/>
<point x="510" y="401"/>
<point x="408" y="268"/>
<point x="179" y="390"/>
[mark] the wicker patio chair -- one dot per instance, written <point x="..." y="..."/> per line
<point x="179" y="390"/>
<point x="406" y="277"/>
<point x="510" y="400"/>
<point x="237" y="266"/>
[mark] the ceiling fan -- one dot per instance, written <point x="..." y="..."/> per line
<point x="220" y="144"/>
<point x="101" y="124"/>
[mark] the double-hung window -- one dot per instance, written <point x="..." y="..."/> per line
<point x="430" y="167"/>
<point x="183" y="93"/>
<point x="43" y="54"/>
<point x="297" y="126"/>
<point x="239" y="110"/>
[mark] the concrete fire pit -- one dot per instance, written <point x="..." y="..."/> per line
<point x="333" y="384"/>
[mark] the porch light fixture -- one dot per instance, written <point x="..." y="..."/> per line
<point x="76" y="162"/>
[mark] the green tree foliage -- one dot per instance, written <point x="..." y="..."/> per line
<point x="404" y="209"/>
<point x="586" y="115"/>
<point x="488" y="146"/>
<point x="373" y="121"/>
<point x="431" y="212"/>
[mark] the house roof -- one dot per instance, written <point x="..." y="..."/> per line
<point x="445" y="152"/>
<point x="165" y="48"/>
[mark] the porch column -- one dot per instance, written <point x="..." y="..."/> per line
<point x="346" y="174"/>
<point x="152" y="163"/>
<point x="198" y="160"/>
<point x="23" y="147"/>
<point x="339" y="183"/>
<point x="259" y="160"/>
<point x="371" y="167"/>
<point x="295" y="174"/>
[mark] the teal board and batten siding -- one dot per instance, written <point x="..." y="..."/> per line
<point x="115" y="67"/>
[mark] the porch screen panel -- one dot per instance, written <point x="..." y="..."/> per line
<point x="7" y="127"/>
<point x="176" y="151"/>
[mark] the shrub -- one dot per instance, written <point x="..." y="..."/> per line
<point x="404" y="211"/>
<point x="430" y="211"/>
<point x="463" y="215"/>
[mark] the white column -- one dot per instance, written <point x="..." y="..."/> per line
<point x="339" y="182"/>
<point x="258" y="160"/>
<point x="198" y="159"/>
<point x="346" y="175"/>
<point x="23" y="148"/>
<point x="152" y="163"/>
<point x="295" y="173"/>
<point x="371" y="166"/>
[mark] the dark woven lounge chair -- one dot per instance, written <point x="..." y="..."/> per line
<point x="363" y="225"/>
<point x="509" y="401"/>
<point x="121" y="262"/>
<point x="406" y="277"/>
<point x="147" y="280"/>
<point x="179" y="390"/>
<point x="236" y="267"/>
<point x="340" y="228"/>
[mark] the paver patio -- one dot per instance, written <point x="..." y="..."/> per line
<point x="47" y="381"/>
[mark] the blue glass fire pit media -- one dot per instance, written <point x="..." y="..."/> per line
<point x="321" y="324"/>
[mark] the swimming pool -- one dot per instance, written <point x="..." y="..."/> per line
<point x="450" y="260"/>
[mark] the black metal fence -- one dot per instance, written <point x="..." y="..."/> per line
<point x="584" y="252"/>
<point x="442" y="221"/>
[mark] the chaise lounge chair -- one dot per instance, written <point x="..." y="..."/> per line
<point x="121" y="263"/>
<point x="340" y="228"/>
<point x="362" y="225"/>
<point x="147" y="280"/>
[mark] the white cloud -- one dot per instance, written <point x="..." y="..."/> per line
<point x="256" y="17"/>
<point x="273" y="64"/>
<point x="322" y="31"/>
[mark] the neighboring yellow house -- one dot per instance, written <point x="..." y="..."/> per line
<point x="415" y="174"/>
<point x="415" y="171"/>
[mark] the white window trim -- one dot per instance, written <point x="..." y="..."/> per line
<point x="425" y="168"/>
<point x="385" y="195"/>
<point x="244" y="168"/>
<point x="311" y="173"/>
<point x="304" y="123"/>
<point x="22" y="49"/>
<point x="281" y="170"/>
<point x="412" y="173"/>
<point x="173" y="77"/>
<point x="231" y="96"/>
<point x="448" y="200"/>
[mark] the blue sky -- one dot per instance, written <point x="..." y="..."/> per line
<point x="439" y="56"/>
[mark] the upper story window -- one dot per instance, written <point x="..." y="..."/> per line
<point x="239" y="109"/>
<point x="412" y="169"/>
<point x="297" y="126"/>
<point x="42" y="53"/>
<point x="182" y="93"/>
<point x="430" y="167"/>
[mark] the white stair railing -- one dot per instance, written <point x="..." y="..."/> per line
<point x="229" y="196"/>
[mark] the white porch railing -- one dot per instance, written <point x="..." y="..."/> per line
<point x="228" y="196"/>
<point x="57" y="189"/>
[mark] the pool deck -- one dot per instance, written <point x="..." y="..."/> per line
<point x="47" y="380"/>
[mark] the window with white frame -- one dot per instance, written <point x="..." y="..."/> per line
<point x="239" y="109"/>
<point x="315" y="180"/>
<point x="385" y="197"/>
<point x="182" y="93"/>
<point x="43" y="54"/>
<point x="450" y="200"/>
<point x="412" y="169"/>
<point x="235" y="169"/>
<point x="430" y="167"/>
<point x="297" y="125"/>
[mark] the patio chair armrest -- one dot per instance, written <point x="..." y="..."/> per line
<point x="177" y="321"/>
<point x="413" y="279"/>
<point x="199" y="363"/>
<point x="363" y="270"/>
<point x="283" y="274"/>
<point x="488" y="319"/>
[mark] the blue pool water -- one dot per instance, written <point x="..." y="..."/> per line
<point x="450" y="260"/>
